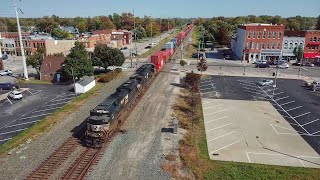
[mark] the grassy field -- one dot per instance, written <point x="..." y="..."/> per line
<point x="49" y="121"/>
<point x="159" y="46"/>
<point x="192" y="48"/>
<point x="194" y="152"/>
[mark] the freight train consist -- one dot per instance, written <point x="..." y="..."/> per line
<point x="106" y="118"/>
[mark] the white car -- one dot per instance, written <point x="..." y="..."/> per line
<point x="265" y="82"/>
<point x="15" y="95"/>
<point x="283" y="66"/>
<point x="6" y="73"/>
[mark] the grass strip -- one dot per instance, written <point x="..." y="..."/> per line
<point x="193" y="47"/>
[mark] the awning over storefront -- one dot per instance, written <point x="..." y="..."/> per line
<point x="311" y="55"/>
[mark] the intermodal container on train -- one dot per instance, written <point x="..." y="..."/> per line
<point x="158" y="60"/>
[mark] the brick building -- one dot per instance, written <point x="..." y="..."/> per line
<point x="90" y="41"/>
<point x="258" y="42"/>
<point x="50" y="69"/>
<point x="312" y="45"/>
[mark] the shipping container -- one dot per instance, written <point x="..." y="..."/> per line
<point x="158" y="60"/>
<point x="169" y="46"/>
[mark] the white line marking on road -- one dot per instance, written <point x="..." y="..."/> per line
<point x="55" y="104"/>
<point x="301" y="163"/>
<point x="225" y="146"/>
<point x="274" y="129"/>
<point x="213" y="106"/>
<point x="310" y="122"/>
<point x="287" y="128"/>
<point x="287" y="103"/>
<point x="47" y="109"/>
<point x="221" y="136"/>
<point x="248" y="157"/>
<point x="219" y="127"/>
<point x="294" y="108"/>
<point x="23" y="123"/>
<point x="302" y="115"/>
<point x="282" y="98"/>
<point x="67" y="99"/>
<point x="5" y="139"/>
<point x="215" y="112"/>
<point x="315" y="133"/>
<point x="211" y="88"/>
<point x="35" y="116"/>
<point x="216" y="119"/>
<point x="276" y="94"/>
<point x="13" y="131"/>
<point x="205" y="85"/>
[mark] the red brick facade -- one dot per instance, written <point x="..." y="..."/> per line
<point x="50" y="69"/>
<point x="312" y="44"/>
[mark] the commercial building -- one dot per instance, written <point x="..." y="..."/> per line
<point x="90" y="41"/>
<point x="291" y="40"/>
<point x="50" y="69"/>
<point x="312" y="46"/>
<point x="119" y="38"/>
<point x="258" y="42"/>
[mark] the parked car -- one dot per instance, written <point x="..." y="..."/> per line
<point x="8" y="86"/>
<point x="15" y="95"/>
<point x="265" y="82"/>
<point x="283" y="66"/>
<point x="259" y="62"/>
<point x="148" y="47"/>
<point x="6" y="73"/>
<point x="123" y="48"/>
<point x="263" y="65"/>
<point x="297" y="64"/>
<point x="309" y="64"/>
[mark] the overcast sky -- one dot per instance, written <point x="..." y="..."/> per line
<point x="163" y="8"/>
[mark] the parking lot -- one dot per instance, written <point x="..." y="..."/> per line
<point x="248" y="123"/>
<point x="38" y="102"/>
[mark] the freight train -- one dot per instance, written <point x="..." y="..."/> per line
<point x="106" y="118"/>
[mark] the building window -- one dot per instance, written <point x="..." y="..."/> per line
<point x="262" y="47"/>
<point x="269" y="35"/>
<point x="313" y="47"/>
<point x="318" y="39"/>
<point x="315" y="39"/>
<point x="310" y="39"/>
<point x="258" y="46"/>
<point x="254" y="35"/>
<point x="285" y="46"/>
<point x="272" y="45"/>
<point x="252" y="45"/>
<point x="259" y="35"/>
<point x="291" y="45"/>
<point x="274" y="35"/>
<point x="248" y="45"/>
<point x="249" y="35"/>
<point x="278" y="46"/>
<point x="280" y="34"/>
<point x="317" y="47"/>
<point x="295" y="44"/>
<point x="309" y="47"/>
<point x="268" y="45"/>
<point x="264" y="34"/>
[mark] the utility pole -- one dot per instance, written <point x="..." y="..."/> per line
<point x="135" y="37"/>
<point x="275" y="81"/>
<point x="25" y="72"/>
<point x="151" y="30"/>
<point x="160" y="29"/>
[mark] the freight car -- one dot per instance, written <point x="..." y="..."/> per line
<point x="106" y="118"/>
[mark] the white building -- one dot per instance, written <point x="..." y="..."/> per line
<point x="291" y="40"/>
<point x="84" y="85"/>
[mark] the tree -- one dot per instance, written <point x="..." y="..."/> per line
<point x="298" y="52"/>
<point x="155" y="29"/>
<point x="183" y="63"/>
<point x="106" y="23"/>
<point x="104" y="56"/>
<point x="60" y="34"/>
<point x="127" y="21"/>
<point x="77" y="63"/>
<point x="117" y="20"/>
<point x="36" y="60"/>
<point x="318" y="23"/>
<point x="82" y="26"/>
<point x="140" y="32"/>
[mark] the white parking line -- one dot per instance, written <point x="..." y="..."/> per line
<point x="248" y="157"/>
<point x="13" y="131"/>
<point x="215" y="112"/>
<point x="55" y="104"/>
<point x="35" y="116"/>
<point x="302" y="115"/>
<point x="282" y="98"/>
<point x="213" y="106"/>
<point x="276" y="94"/>
<point x="211" y="88"/>
<point x="294" y="108"/>
<point x="5" y="139"/>
<point x="46" y="109"/>
<point x="63" y="99"/>
<point x="216" y="119"/>
<point x="221" y="136"/>
<point x="287" y="128"/>
<point x="310" y="122"/>
<point x="225" y="146"/>
<point x="219" y="127"/>
<point x="315" y="133"/>
<point x="22" y="124"/>
<point x="287" y="103"/>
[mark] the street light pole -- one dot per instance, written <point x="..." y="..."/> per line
<point x="25" y="71"/>
<point x="275" y="81"/>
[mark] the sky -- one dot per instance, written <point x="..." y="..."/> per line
<point x="162" y="8"/>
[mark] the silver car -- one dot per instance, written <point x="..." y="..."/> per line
<point x="265" y="82"/>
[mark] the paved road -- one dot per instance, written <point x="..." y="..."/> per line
<point x="22" y="114"/>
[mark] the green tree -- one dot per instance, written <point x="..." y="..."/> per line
<point x="104" y="56"/>
<point x="60" y="34"/>
<point x="82" y="26"/>
<point x="106" y="23"/>
<point x="77" y="63"/>
<point x="298" y="52"/>
<point x="36" y="59"/>
<point x="155" y="29"/>
<point x="140" y="32"/>
<point x="117" y="20"/>
<point x="318" y="23"/>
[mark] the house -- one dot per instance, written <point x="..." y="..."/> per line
<point x="50" y="69"/>
<point x="84" y="85"/>
<point x="69" y="29"/>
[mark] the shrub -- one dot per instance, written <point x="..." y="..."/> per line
<point x="106" y="77"/>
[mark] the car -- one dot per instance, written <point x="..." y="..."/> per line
<point x="265" y="82"/>
<point x="15" y="95"/>
<point x="283" y="66"/>
<point x="309" y="64"/>
<point x="297" y="64"/>
<point x="6" y="73"/>
<point x="8" y="86"/>
<point x="262" y="65"/>
<point x="123" y="48"/>
<point x="148" y="47"/>
<point x="259" y="62"/>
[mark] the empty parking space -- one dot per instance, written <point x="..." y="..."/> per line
<point x="36" y="105"/>
<point x="244" y="124"/>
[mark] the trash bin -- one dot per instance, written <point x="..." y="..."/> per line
<point x="175" y="125"/>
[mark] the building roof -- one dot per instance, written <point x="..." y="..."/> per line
<point x="85" y="81"/>
<point x="289" y="33"/>
<point x="52" y="64"/>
